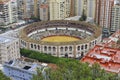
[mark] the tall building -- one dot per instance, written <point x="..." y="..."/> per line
<point x="103" y="12"/>
<point x="9" y="49"/>
<point x="88" y="6"/>
<point x="59" y="9"/>
<point x="28" y="9"/>
<point x="115" y="23"/>
<point x="8" y="12"/>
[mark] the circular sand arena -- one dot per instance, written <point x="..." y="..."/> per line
<point x="60" y="39"/>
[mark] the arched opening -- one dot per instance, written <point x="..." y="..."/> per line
<point x="82" y="47"/>
<point x="45" y="48"/>
<point x="82" y="54"/>
<point x="54" y="48"/>
<point x="38" y="47"/>
<point x="61" y="49"/>
<point x="70" y="48"/>
<point x="78" y="48"/>
<point x="86" y="46"/>
<point x="66" y="48"/>
<point x="31" y="45"/>
<point x="35" y="46"/>
<point x="49" y="48"/>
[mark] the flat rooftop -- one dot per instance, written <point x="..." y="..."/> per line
<point x="6" y="39"/>
<point x="107" y="58"/>
<point x="27" y="65"/>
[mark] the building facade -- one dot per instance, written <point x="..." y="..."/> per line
<point x="9" y="49"/>
<point x="8" y="12"/>
<point x="59" y="9"/>
<point x="28" y="9"/>
<point x="115" y="23"/>
<point x="88" y="6"/>
<point x="103" y="13"/>
<point x="22" y="70"/>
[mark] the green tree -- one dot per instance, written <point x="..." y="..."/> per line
<point x="3" y="77"/>
<point x="77" y="71"/>
<point x="83" y="16"/>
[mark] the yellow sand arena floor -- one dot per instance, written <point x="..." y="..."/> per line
<point x="60" y="39"/>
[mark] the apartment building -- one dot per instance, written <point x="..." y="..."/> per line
<point x="9" y="49"/>
<point x="21" y="69"/>
<point x="115" y="23"/>
<point x="88" y="6"/>
<point x="28" y="9"/>
<point x="8" y="12"/>
<point x="103" y="12"/>
<point x="59" y="9"/>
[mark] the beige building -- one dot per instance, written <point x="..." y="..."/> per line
<point x="8" y="12"/>
<point x="9" y="49"/>
<point x="59" y="9"/>
<point x="87" y="5"/>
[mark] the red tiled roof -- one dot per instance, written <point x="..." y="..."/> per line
<point x="108" y="58"/>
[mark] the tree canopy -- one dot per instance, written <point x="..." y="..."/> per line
<point x="83" y="16"/>
<point x="3" y="77"/>
<point x="76" y="71"/>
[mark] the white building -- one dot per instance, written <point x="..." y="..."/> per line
<point x="9" y="49"/>
<point x="115" y="23"/>
<point x="8" y="12"/>
<point x="22" y="70"/>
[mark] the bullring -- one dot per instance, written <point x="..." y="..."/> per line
<point x="88" y="36"/>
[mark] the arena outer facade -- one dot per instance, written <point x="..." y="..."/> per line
<point x="90" y="35"/>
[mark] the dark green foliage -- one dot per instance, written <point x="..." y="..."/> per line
<point x="76" y="71"/>
<point x="83" y="17"/>
<point x="118" y="42"/>
<point x="42" y="57"/>
<point x="3" y="77"/>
